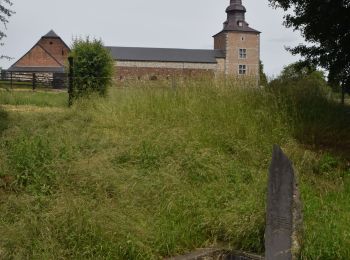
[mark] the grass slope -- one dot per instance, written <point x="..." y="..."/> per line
<point x="153" y="172"/>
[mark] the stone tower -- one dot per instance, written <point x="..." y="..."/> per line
<point x="240" y="43"/>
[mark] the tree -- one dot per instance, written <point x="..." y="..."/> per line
<point x="93" y="68"/>
<point x="263" y="78"/>
<point x="325" y="25"/>
<point x="300" y="73"/>
<point x="300" y="70"/>
<point x="5" y="14"/>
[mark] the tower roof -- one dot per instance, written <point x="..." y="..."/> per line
<point x="236" y="18"/>
<point x="51" y="34"/>
<point x="236" y="5"/>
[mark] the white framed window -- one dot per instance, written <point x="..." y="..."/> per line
<point x="242" y="69"/>
<point x="242" y="53"/>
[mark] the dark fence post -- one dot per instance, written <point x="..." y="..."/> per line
<point x="11" y="80"/>
<point x="70" y="81"/>
<point x="34" y="81"/>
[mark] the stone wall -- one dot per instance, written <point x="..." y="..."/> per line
<point x="162" y="70"/>
<point x="220" y="41"/>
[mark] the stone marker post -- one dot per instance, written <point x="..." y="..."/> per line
<point x="283" y="216"/>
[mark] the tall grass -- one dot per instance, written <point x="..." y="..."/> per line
<point x="151" y="172"/>
<point x="29" y="97"/>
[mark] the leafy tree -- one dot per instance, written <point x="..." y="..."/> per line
<point x="300" y="70"/>
<point x="300" y="73"/>
<point x="5" y="14"/>
<point x="93" y="68"/>
<point x="263" y="78"/>
<point x="325" y="25"/>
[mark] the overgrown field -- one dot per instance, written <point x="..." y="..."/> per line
<point x="152" y="172"/>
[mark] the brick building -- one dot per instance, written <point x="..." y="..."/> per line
<point x="236" y="53"/>
<point x="49" y="54"/>
<point x="46" y="59"/>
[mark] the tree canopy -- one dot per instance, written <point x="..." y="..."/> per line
<point x="5" y="14"/>
<point x="93" y="68"/>
<point x="325" y="25"/>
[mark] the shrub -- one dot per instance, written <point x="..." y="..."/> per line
<point x="93" y="68"/>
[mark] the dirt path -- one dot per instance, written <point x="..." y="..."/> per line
<point x="27" y="108"/>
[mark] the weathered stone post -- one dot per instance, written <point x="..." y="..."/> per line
<point x="283" y="217"/>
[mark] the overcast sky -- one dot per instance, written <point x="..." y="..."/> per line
<point x="145" y="23"/>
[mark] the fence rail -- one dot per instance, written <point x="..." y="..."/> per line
<point x="35" y="80"/>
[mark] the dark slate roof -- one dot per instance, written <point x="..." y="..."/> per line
<point x="165" y="55"/>
<point x="37" y="69"/>
<point x="51" y="34"/>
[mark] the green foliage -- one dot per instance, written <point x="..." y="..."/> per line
<point x="152" y="171"/>
<point x="93" y="68"/>
<point x="3" y="120"/>
<point x="325" y="25"/>
<point x="5" y="14"/>
<point x="263" y="78"/>
<point x="31" y="160"/>
<point x="30" y="98"/>
<point x="299" y="71"/>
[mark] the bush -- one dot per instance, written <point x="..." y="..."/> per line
<point x="93" y="68"/>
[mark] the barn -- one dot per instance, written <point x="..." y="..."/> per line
<point x="43" y="64"/>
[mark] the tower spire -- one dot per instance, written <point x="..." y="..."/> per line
<point x="235" y="16"/>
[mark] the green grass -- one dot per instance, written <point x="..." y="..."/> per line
<point x="36" y="98"/>
<point x="151" y="172"/>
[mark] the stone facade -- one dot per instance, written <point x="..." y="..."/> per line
<point x="142" y="70"/>
<point x="239" y="44"/>
<point x="232" y="43"/>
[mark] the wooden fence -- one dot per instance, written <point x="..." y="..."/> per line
<point x="34" y="80"/>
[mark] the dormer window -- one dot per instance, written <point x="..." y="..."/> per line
<point x="240" y="23"/>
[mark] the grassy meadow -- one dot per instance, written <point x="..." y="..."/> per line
<point x="154" y="171"/>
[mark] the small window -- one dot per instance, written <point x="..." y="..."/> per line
<point x="242" y="38"/>
<point x="62" y="52"/>
<point x="242" y="70"/>
<point x="51" y="43"/>
<point x="240" y="24"/>
<point x="242" y="53"/>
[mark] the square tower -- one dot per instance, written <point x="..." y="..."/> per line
<point x="240" y="43"/>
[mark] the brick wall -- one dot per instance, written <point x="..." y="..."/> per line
<point x="56" y="47"/>
<point x="37" y="57"/>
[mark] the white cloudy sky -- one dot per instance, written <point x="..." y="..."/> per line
<point x="145" y="23"/>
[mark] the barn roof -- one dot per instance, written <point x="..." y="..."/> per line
<point x="165" y="55"/>
<point x="51" y="34"/>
